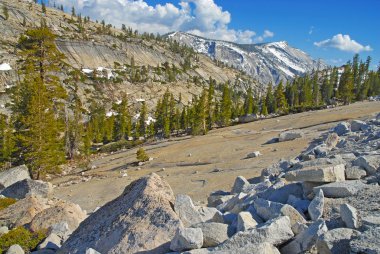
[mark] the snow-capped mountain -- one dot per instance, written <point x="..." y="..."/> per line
<point x="267" y="62"/>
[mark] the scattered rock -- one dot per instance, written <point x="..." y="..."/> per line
<point x="355" y="173"/>
<point x="22" y="212"/>
<point x="275" y="232"/>
<point x="186" y="211"/>
<point x="254" y="155"/>
<point x="316" y="206"/>
<point x="213" y="233"/>
<point x="240" y="185"/>
<point x="187" y="239"/>
<point x="368" y="242"/>
<point x="342" y="128"/>
<point x="290" y="135"/>
<point x="306" y="239"/>
<point x="15" y="249"/>
<point x="281" y="195"/>
<point x="61" y="211"/>
<point x="357" y="125"/>
<point x="349" y="216"/>
<point x="336" y="241"/>
<point x="245" y="221"/>
<point x="52" y="242"/>
<point x="28" y="187"/>
<point x="13" y="175"/>
<point x="323" y="174"/>
<point x="140" y="220"/>
<point x="92" y="251"/>
<point x="209" y="214"/>
<point x="3" y="230"/>
<point x="370" y="163"/>
<point x="332" y="140"/>
<point x="340" y="189"/>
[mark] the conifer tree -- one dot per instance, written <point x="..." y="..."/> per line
<point x="36" y="102"/>
<point x="43" y="7"/>
<point x="264" y="109"/>
<point x="346" y="85"/>
<point x="316" y="93"/>
<point x="270" y="100"/>
<point x="327" y="89"/>
<point x="123" y="120"/>
<point x="226" y="107"/>
<point x="281" y="103"/>
<point x="74" y="131"/>
<point x="248" y="102"/>
<point x="142" y="119"/>
<point x="210" y="104"/>
<point x="7" y="142"/>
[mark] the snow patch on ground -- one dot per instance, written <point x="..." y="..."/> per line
<point x="5" y="67"/>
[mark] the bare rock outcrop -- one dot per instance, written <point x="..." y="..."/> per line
<point x="142" y="219"/>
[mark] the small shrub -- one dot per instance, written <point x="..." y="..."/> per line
<point x="5" y="202"/>
<point x="141" y="155"/>
<point x="26" y="239"/>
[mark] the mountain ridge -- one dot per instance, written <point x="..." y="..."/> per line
<point x="268" y="62"/>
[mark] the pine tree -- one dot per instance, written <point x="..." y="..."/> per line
<point x="316" y="93"/>
<point x="346" y="85"/>
<point x="270" y="100"/>
<point x="327" y="89"/>
<point x="281" y="103"/>
<point x="226" y="107"/>
<point x="142" y="119"/>
<point x="73" y="14"/>
<point x="210" y="104"/>
<point x="43" y="6"/>
<point x="7" y="142"/>
<point x="74" y="131"/>
<point x="5" y="12"/>
<point x="123" y="120"/>
<point x="35" y="103"/>
<point x="141" y="155"/>
<point x="264" y="109"/>
<point x="248" y="102"/>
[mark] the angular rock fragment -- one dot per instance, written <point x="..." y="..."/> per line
<point x="323" y="174"/>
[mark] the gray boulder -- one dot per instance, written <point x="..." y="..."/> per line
<point x="342" y="128"/>
<point x="349" y="216"/>
<point x="370" y="163"/>
<point x="141" y="219"/>
<point x="231" y="203"/>
<point x="186" y="210"/>
<point x="92" y="251"/>
<point x="213" y="233"/>
<point x="306" y="239"/>
<point x="340" y="189"/>
<point x="187" y="239"/>
<point x="240" y="185"/>
<point x="13" y="175"/>
<point x="355" y="173"/>
<point x="368" y="242"/>
<point x="209" y="214"/>
<point x="28" y="187"/>
<point x="316" y="206"/>
<point x="357" y="125"/>
<point x="322" y="174"/>
<point x="52" y="242"/>
<point x="336" y="241"/>
<point x="245" y="221"/>
<point x="15" y="249"/>
<point x="254" y="155"/>
<point x="332" y="140"/>
<point x="290" y="135"/>
<point x="274" y="232"/>
<point x="281" y="195"/>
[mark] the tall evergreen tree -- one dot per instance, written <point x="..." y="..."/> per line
<point x="346" y="85"/>
<point x="226" y="106"/>
<point x="270" y="100"/>
<point x="142" y="119"/>
<point x="35" y="103"/>
<point x="249" y="102"/>
<point x="281" y="103"/>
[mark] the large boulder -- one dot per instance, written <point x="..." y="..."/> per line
<point x="187" y="239"/>
<point x="371" y="163"/>
<point x="355" y="173"/>
<point x="61" y="211"/>
<point x="15" y="249"/>
<point x="336" y="241"/>
<point x="340" y="189"/>
<point x="290" y="135"/>
<point x="213" y="233"/>
<point x="28" y="187"/>
<point x="357" y="125"/>
<point x="22" y="212"/>
<point x="342" y="128"/>
<point x="306" y="239"/>
<point x="322" y="174"/>
<point x="13" y="175"/>
<point x="367" y="242"/>
<point x="141" y="219"/>
<point x="315" y="208"/>
<point x="186" y="211"/>
<point x="281" y="195"/>
<point x="332" y="140"/>
<point x="275" y="232"/>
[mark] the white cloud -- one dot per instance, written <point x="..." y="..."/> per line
<point x="343" y="43"/>
<point x="202" y="17"/>
<point x="266" y="34"/>
<point x="311" y="30"/>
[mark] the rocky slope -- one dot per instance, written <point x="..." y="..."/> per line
<point x="106" y="49"/>
<point x="268" y="62"/>
<point x="323" y="201"/>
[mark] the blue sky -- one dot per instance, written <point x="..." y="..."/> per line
<point x="329" y="29"/>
